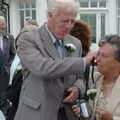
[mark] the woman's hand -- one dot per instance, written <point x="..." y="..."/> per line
<point x="104" y="115"/>
<point x="76" y="110"/>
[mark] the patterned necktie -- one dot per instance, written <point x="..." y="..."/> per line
<point x="59" y="46"/>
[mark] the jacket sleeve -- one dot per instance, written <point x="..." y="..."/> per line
<point x="35" y="58"/>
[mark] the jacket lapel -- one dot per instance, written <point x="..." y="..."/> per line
<point x="5" y="42"/>
<point x="115" y="97"/>
<point x="47" y="40"/>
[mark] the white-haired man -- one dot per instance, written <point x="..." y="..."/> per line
<point x="7" y="50"/>
<point x="48" y="70"/>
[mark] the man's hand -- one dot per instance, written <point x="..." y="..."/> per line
<point x="89" y="58"/>
<point x="104" y="115"/>
<point x="73" y="95"/>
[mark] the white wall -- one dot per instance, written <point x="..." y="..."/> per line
<point x="14" y="18"/>
<point x="111" y="21"/>
<point x="41" y="11"/>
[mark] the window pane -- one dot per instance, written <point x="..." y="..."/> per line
<point x="118" y="15"/>
<point x="102" y="25"/>
<point x="27" y="4"/>
<point x="33" y="3"/>
<point x="22" y="19"/>
<point x="21" y="5"/>
<point x="118" y="3"/>
<point x="102" y="3"/>
<point x="90" y="19"/>
<point x="27" y="13"/>
<point x="84" y="3"/>
<point x="33" y="14"/>
<point x="93" y="3"/>
<point x="118" y="11"/>
<point x="119" y="26"/>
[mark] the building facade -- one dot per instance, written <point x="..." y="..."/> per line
<point x="102" y="15"/>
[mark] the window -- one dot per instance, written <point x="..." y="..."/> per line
<point x="90" y="19"/>
<point x="94" y="12"/>
<point x="93" y="3"/>
<point x="27" y="11"/>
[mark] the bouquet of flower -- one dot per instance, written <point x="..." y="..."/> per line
<point x="70" y="47"/>
<point x="91" y="93"/>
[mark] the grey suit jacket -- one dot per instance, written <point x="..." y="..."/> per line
<point x="43" y="88"/>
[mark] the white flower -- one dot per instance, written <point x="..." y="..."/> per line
<point x="70" y="47"/>
<point x="91" y="93"/>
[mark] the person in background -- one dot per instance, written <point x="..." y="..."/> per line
<point x="50" y="74"/>
<point x="8" y="53"/>
<point x="16" y="76"/>
<point x="10" y="98"/>
<point x="82" y="31"/>
<point x="30" y="25"/>
<point x="107" y="81"/>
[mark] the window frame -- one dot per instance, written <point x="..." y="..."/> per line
<point x="25" y="9"/>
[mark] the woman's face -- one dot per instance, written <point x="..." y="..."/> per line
<point x="106" y="61"/>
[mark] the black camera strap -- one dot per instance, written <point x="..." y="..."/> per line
<point x="86" y="76"/>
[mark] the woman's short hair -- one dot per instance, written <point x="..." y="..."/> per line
<point x="54" y="5"/>
<point x="114" y="41"/>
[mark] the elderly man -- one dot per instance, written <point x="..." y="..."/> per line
<point x="48" y="68"/>
<point x="7" y="51"/>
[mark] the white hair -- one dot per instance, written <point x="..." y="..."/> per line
<point x="54" y="5"/>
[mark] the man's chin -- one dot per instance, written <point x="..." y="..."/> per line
<point x="61" y="37"/>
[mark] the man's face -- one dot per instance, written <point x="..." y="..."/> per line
<point x="2" y="25"/>
<point x="105" y="59"/>
<point x="61" y="23"/>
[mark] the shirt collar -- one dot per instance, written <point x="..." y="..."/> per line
<point x="51" y="35"/>
<point x="54" y="40"/>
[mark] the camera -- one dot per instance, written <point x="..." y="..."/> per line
<point x="85" y="109"/>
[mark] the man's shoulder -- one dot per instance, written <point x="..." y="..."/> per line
<point x="35" y="31"/>
<point x="70" y="38"/>
<point x="32" y="35"/>
<point x="73" y="40"/>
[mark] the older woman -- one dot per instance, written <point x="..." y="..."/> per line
<point x="107" y="100"/>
